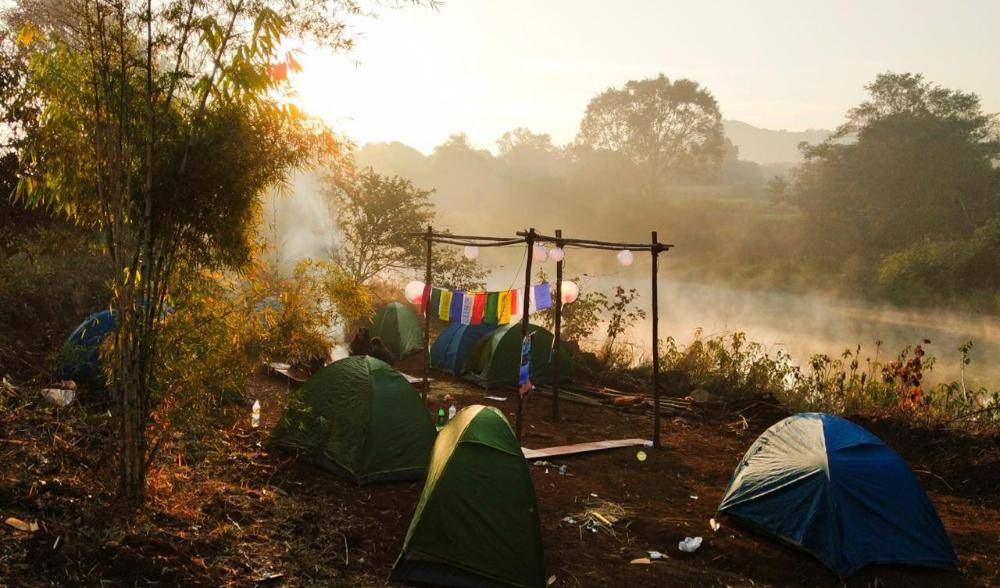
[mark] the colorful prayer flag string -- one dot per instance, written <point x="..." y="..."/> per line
<point x="475" y="308"/>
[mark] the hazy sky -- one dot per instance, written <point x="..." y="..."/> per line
<point x="486" y="66"/>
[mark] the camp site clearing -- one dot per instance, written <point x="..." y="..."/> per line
<point x="673" y="494"/>
<point x="254" y="515"/>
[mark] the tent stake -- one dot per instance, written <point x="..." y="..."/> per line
<point x="525" y="318"/>
<point x="556" y="340"/>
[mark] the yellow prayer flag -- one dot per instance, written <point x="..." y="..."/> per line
<point x="504" y="307"/>
<point x="445" y="307"/>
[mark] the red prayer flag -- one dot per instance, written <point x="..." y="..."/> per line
<point x="424" y="298"/>
<point x="478" y="307"/>
<point x="513" y="303"/>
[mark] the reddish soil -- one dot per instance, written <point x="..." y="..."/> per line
<point x="675" y="492"/>
<point x="247" y="514"/>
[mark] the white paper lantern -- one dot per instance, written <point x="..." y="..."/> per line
<point x="570" y="292"/>
<point x="625" y="257"/>
<point x="556" y="254"/>
<point x="538" y="254"/>
<point x="413" y="292"/>
<point x="471" y="252"/>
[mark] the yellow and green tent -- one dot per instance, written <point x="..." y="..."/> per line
<point x="477" y="520"/>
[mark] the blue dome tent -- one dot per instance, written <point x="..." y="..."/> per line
<point x="80" y="359"/>
<point x="454" y="343"/>
<point x="831" y="488"/>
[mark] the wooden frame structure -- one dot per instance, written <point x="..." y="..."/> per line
<point x="530" y="238"/>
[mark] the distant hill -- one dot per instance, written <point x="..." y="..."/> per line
<point x="766" y="146"/>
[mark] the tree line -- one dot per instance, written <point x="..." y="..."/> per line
<point x="901" y="203"/>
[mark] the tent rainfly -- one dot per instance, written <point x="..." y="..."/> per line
<point x="452" y="347"/>
<point x="360" y="418"/>
<point x="831" y="488"/>
<point x="476" y="524"/>
<point x="399" y="328"/>
<point x="80" y="359"/>
<point x="495" y="359"/>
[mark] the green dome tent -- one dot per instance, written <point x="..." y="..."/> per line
<point x="496" y="358"/>
<point x="399" y="328"/>
<point x="361" y="418"/>
<point x="477" y="520"/>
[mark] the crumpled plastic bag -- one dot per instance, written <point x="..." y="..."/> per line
<point x="689" y="544"/>
<point x="59" y="396"/>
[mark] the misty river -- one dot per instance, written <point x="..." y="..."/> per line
<point x="807" y="324"/>
<point x="801" y="324"/>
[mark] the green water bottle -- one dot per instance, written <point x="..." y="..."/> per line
<point x="441" y="418"/>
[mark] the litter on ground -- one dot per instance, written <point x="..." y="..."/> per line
<point x="601" y="515"/>
<point x="689" y="544"/>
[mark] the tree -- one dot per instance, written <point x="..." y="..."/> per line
<point x="914" y="162"/>
<point x="664" y="128"/>
<point x="378" y="217"/>
<point x="736" y="171"/>
<point x="580" y="318"/>
<point x="161" y="125"/>
<point x="528" y="156"/>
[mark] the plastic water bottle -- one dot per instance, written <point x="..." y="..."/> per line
<point x="452" y="411"/>
<point x="255" y="418"/>
<point x="441" y="419"/>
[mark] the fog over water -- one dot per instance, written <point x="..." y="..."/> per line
<point x="801" y="324"/>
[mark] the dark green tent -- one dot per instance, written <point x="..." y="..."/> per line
<point x="477" y="520"/>
<point x="496" y="358"/>
<point x="361" y="418"/>
<point x="399" y="328"/>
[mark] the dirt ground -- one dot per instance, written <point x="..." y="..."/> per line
<point x="258" y="517"/>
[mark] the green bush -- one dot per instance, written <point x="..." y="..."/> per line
<point x="733" y="369"/>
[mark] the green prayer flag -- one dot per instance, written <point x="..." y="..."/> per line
<point x="490" y="315"/>
<point x="435" y="304"/>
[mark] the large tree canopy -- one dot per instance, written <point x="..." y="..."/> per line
<point x="667" y="129"/>
<point x="913" y="164"/>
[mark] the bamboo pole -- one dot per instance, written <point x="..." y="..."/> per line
<point x="427" y="315"/>
<point x="556" y="340"/>
<point x="656" y="345"/>
<point x="525" y="320"/>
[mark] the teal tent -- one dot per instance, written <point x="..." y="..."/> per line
<point x="360" y="418"/>
<point x="834" y="490"/>
<point x="399" y="328"/>
<point x="451" y="349"/>
<point x="496" y="358"/>
<point x="476" y="524"/>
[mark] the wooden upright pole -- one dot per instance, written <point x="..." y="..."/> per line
<point x="656" y="346"/>
<point x="525" y="319"/>
<point x="427" y="316"/>
<point x="556" y="340"/>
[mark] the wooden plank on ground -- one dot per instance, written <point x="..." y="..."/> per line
<point x="578" y="448"/>
<point x="293" y="374"/>
<point x="415" y="379"/>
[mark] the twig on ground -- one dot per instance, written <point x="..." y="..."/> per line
<point x="930" y="473"/>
